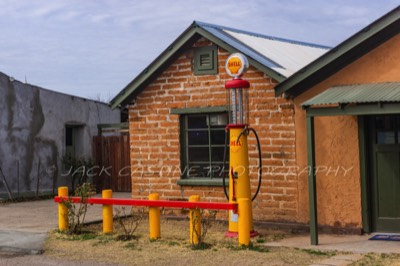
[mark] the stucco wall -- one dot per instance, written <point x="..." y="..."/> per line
<point x="338" y="192"/>
<point x="154" y="136"/>
<point x="32" y="130"/>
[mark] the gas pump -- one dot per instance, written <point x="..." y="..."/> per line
<point x="238" y="129"/>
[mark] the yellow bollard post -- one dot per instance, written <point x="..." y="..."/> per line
<point x="154" y="219"/>
<point x="107" y="212"/>
<point x="195" y="222"/>
<point x="244" y="221"/>
<point x="62" y="210"/>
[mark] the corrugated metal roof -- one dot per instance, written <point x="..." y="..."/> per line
<point x="282" y="55"/>
<point x="289" y="56"/>
<point x="360" y="93"/>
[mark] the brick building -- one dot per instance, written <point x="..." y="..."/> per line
<point x="178" y="114"/>
<point x="328" y="122"/>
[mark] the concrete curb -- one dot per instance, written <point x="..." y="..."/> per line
<point x="24" y="251"/>
<point x="22" y="242"/>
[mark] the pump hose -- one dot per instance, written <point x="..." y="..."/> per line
<point x="224" y="163"/>
<point x="245" y="130"/>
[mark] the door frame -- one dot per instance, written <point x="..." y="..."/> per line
<point x="379" y="223"/>
<point x="367" y="168"/>
<point x="365" y="173"/>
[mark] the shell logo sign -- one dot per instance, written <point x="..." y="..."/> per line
<point x="235" y="146"/>
<point x="236" y="65"/>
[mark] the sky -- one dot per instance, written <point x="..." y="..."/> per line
<point x="94" y="48"/>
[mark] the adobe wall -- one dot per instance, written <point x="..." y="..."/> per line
<point x="154" y="136"/>
<point x="32" y="134"/>
<point x="338" y="191"/>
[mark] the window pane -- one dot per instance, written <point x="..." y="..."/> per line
<point x="68" y="136"/>
<point x="218" y="170"/>
<point x="197" y="121"/>
<point x="218" y="120"/>
<point x="398" y="129"/>
<point x="205" y="170"/>
<point x="214" y="170"/>
<point x="199" y="154"/>
<point x="218" y="137"/>
<point x="385" y="130"/>
<point x="198" y="170"/>
<point x="198" y="137"/>
<point x="217" y="154"/>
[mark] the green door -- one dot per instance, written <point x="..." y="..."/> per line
<point x="385" y="149"/>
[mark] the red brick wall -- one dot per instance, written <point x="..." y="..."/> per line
<point x="154" y="136"/>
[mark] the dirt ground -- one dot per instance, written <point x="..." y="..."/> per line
<point x="96" y="248"/>
<point x="174" y="249"/>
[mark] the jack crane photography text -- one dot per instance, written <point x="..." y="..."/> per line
<point x="216" y="171"/>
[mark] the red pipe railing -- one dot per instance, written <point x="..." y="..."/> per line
<point x="154" y="203"/>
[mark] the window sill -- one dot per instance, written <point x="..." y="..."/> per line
<point x="202" y="182"/>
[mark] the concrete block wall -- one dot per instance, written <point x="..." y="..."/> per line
<point x="154" y="136"/>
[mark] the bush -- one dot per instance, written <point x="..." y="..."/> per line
<point x="77" y="211"/>
<point x="207" y="220"/>
<point x="129" y="222"/>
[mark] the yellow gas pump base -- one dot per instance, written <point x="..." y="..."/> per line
<point x="239" y="183"/>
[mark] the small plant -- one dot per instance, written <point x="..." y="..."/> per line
<point x="129" y="222"/>
<point x="207" y="220"/>
<point x="319" y="252"/>
<point x="82" y="237"/>
<point x="261" y="240"/>
<point x="173" y="243"/>
<point x="250" y="247"/>
<point x="258" y="248"/>
<point x="104" y="239"/>
<point x="77" y="211"/>
<point x="130" y="245"/>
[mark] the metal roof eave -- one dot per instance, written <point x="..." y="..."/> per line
<point x="385" y="92"/>
<point x="358" y="99"/>
<point x="355" y="110"/>
<point x="318" y="69"/>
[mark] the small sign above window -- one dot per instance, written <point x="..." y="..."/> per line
<point x="218" y="119"/>
<point x="206" y="60"/>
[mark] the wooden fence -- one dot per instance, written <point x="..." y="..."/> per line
<point x="111" y="156"/>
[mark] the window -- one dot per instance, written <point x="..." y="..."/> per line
<point x="74" y="140"/>
<point x="387" y="129"/>
<point x="206" y="60"/>
<point x="203" y="145"/>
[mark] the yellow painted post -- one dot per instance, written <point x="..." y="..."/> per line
<point x="107" y="212"/>
<point x="154" y="219"/>
<point x="195" y="222"/>
<point x="244" y="222"/>
<point x="62" y="210"/>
